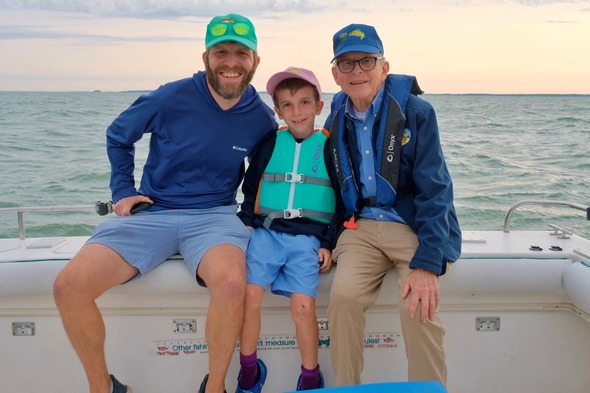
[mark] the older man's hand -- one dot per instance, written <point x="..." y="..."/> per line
<point x="422" y="287"/>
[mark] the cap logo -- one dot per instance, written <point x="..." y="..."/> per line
<point x="228" y="20"/>
<point x="294" y="70"/>
<point x="357" y="33"/>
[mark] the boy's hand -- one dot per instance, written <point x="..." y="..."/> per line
<point x="325" y="260"/>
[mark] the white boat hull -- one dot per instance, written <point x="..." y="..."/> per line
<point x="517" y="320"/>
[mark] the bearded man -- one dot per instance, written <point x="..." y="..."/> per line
<point x="201" y="130"/>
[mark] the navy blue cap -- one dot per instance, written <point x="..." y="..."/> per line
<point x="357" y="38"/>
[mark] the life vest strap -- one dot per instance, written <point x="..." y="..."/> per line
<point x="370" y="201"/>
<point x="291" y="177"/>
<point x="289" y="214"/>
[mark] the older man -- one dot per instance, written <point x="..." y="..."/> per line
<point x="398" y="195"/>
<point x="201" y="130"/>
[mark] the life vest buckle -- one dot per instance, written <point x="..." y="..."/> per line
<point x="292" y="213"/>
<point x="291" y="177"/>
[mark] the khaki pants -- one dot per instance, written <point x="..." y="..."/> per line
<point x="363" y="258"/>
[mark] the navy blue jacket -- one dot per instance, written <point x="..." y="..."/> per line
<point x="420" y="188"/>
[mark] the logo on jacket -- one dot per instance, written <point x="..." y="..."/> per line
<point x="390" y="148"/>
<point x="336" y="160"/>
<point x="239" y="148"/>
<point x="406" y="137"/>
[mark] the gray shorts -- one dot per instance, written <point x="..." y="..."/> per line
<point x="147" y="239"/>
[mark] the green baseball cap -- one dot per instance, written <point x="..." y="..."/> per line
<point x="231" y="27"/>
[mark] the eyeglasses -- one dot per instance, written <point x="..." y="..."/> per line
<point x="220" y="29"/>
<point x="366" y="64"/>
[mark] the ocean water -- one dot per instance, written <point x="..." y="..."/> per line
<point x="500" y="149"/>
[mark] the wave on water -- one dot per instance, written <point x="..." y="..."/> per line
<point x="500" y="149"/>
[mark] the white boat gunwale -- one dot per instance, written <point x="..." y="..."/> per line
<point x="540" y="300"/>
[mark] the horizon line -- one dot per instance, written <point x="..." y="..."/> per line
<point x="264" y="92"/>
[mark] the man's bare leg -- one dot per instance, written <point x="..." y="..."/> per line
<point x="88" y="275"/>
<point x="223" y="268"/>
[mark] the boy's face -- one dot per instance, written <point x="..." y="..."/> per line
<point x="298" y="110"/>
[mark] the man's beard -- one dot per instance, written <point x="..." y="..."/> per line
<point x="229" y="92"/>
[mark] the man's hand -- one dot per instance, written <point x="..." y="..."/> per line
<point x="124" y="205"/>
<point x="422" y="286"/>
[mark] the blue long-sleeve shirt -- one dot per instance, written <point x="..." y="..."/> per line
<point x="197" y="150"/>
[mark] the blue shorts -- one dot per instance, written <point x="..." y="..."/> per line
<point x="288" y="262"/>
<point x="147" y="239"/>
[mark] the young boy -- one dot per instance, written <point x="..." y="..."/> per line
<point x="289" y="205"/>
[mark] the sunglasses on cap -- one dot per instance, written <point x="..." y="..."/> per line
<point x="220" y="29"/>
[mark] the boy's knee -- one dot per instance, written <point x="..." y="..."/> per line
<point x="304" y="310"/>
<point x="252" y="301"/>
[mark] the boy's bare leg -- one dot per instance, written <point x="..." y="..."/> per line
<point x="306" y="328"/>
<point x="252" y="324"/>
<point x="88" y="275"/>
<point x="223" y="268"/>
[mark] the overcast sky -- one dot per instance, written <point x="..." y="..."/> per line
<point x="452" y="46"/>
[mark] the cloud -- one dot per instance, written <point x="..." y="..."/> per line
<point x="162" y="9"/>
<point x="167" y="10"/>
<point x="546" y="2"/>
<point x="36" y="33"/>
<point x="175" y="9"/>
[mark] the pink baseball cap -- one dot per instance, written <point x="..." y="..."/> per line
<point x="292" y="72"/>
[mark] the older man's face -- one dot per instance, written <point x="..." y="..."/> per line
<point x="361" y="86"/>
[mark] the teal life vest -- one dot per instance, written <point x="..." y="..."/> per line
<point x="295" y="182"/>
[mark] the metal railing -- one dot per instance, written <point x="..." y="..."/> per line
<point x="103" y="208"/>
<point x="542" y="202"/>
<point x="99" y="207"/>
